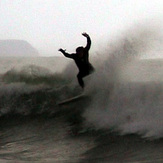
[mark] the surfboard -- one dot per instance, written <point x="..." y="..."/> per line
<point x="72" y="99"/>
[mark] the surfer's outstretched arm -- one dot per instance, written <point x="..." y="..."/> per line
<point x="88" y="41"/>
<point x="65" y="54"/>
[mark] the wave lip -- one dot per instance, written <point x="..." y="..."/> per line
<point x="32" y="74"/>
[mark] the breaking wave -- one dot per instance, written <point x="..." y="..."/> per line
<point x="117" y="102"/>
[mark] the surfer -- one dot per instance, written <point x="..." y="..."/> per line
<point x="81" y="58"/>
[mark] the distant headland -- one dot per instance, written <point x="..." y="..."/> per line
<point x="17" y="48"/>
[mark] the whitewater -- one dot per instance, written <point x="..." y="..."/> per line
<point x="119" y="121"/>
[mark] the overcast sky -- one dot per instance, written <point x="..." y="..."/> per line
<point x="51" y="24"/>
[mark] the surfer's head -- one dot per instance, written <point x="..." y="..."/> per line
<point x="79" y="51"/>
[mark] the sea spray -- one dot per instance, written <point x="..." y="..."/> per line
<point x="122" y="105"/>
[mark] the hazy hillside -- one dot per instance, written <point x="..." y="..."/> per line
<point x="18" y="48"/>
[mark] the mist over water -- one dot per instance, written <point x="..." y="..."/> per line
<point x="127" y="92"/>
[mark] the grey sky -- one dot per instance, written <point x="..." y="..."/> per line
<point x="52" y="24"/>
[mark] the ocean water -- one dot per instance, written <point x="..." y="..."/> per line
<point x="119" y="120"/>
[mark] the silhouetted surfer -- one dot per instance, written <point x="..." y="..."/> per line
<point x="81" y="58"/>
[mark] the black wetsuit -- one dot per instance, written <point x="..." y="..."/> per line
<point x="83" y="64"/>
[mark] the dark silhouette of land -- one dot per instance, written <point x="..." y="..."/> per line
<point x="17" y="48"/>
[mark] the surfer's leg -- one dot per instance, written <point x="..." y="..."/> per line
<point x="80" y="79"/>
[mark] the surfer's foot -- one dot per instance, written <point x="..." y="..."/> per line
<point x="78" y="90"/>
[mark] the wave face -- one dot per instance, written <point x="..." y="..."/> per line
<point x="126" y="92"/>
